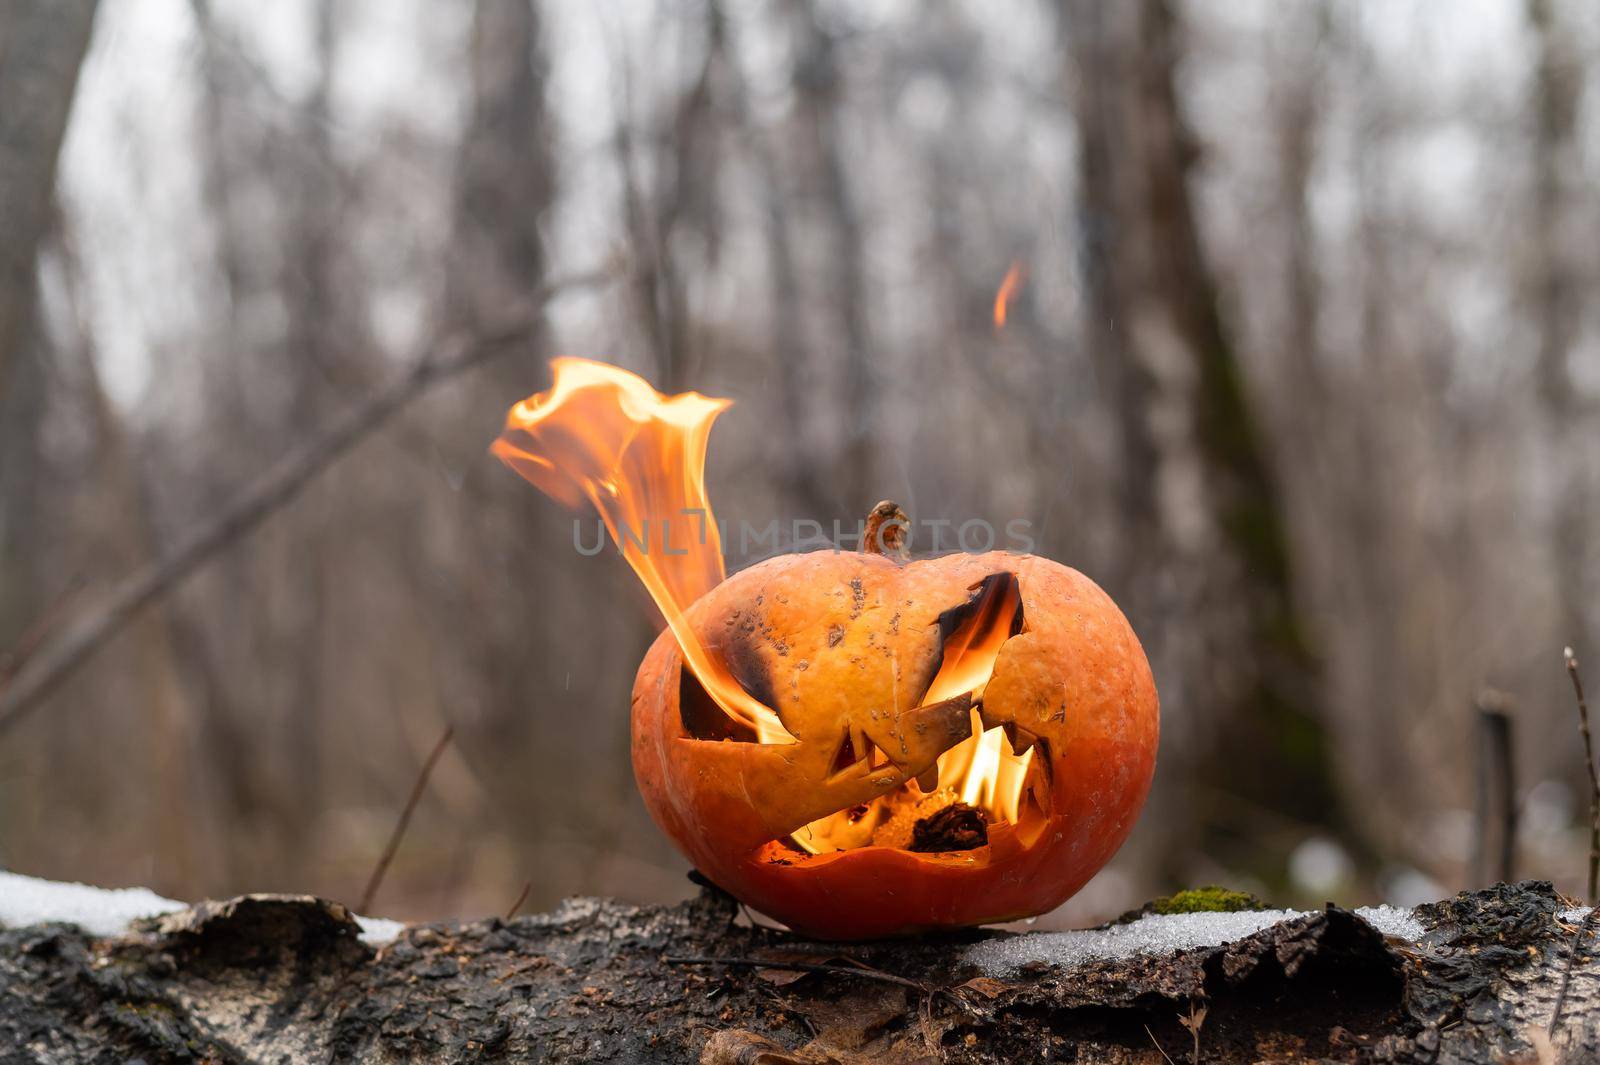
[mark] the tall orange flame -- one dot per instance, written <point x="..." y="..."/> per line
<point x="604" y="435"/>
<point x="1003" y="296"/>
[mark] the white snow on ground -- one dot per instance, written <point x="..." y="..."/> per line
<point x="376" y="931"/>
<point x="27" y="900"/>
<point x="1157" y="934"/>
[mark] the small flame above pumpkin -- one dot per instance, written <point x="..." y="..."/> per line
<point x="1005" y="294"/>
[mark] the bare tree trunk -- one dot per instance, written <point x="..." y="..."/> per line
<point x="819" y="89"/>
<point x="1155" y="312"/>
<point x="42" y="44"/>
<point x="505" y="183"/>
<point x="164" y="702"/>
<point x="1556" y="302"/>
<point x="214" y="165"/>
<point x="319" y="334"/>
<point x="683" y="195"/>
<point x="506" y="180"/>
<point x="1275" y="720"/>
<point x="1297" y="115"/>
<point x="797" y="463"/>
<point x="1111" y="250"/>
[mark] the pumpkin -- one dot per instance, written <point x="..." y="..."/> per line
<point x="846" y="648"/>
<point x="856" y="744"/>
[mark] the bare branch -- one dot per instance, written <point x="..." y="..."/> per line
<point x="521" y="898"/>
<point x="56" y="661"/>
<point x="399" y="833"/>
<point x="1594" y="778"/>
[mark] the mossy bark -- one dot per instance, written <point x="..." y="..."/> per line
<point x="1274" y="722"/>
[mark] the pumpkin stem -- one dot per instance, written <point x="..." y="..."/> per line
<point x="885" y="534"/>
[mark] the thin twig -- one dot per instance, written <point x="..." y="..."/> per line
<point x="1158" y="1045"/>
<point x="1566" y="975"/>
<point x="1594" y="779"/>
<point x="801" y="967"/>
<point x="280" y="484"/>
<point x="405" y="819"/>
<point x="521" y="898"/>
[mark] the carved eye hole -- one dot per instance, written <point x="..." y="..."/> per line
<point x="702" y="718"/>
<point x="971" y="634"/>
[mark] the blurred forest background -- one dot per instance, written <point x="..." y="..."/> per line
<point x="1303" y="371"/>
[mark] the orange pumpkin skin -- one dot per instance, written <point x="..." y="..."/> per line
<point x="834" y="641"/>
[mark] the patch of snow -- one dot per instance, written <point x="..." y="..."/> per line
<point x="28" y="900"/>
<point x="1397" y="921"/>
<point x="1157" y="934"/>
<point x="376" y="931"/>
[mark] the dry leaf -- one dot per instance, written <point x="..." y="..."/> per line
<point x="982" y="987"/>
<point x="736" y="1046"/>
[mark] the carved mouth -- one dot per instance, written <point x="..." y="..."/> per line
<point x="925" y="814"/>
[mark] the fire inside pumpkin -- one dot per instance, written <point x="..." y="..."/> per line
<point x="853" y="743"/>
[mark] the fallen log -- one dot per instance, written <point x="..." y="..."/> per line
<point x="289" y="978"/>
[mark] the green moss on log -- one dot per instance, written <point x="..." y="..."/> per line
<point x="1208" y="899"/>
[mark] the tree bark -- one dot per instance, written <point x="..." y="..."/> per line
<point x="1111" y="256"/>
<point x="1557" y="307"/>
<point x="270" y="978"/>
<point x="819" y="92"/>
<point x="42" y="44"/>
<point x="797" y="458"/>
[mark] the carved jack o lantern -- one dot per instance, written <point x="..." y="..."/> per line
<point x="854" y="744"/>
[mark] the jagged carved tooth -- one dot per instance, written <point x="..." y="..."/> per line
<point x="1021" y="739"/>
<point x="859" y="743"/>
<point x="1040" y="781"/>
<point x="1041" y="793"/>
<point x="1041" y="760"/>
<point x="989" y="720"/>
<point x="928" y="779"/>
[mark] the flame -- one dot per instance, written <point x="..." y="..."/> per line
<point x="984" y="770"/>
<point x="604" y="435"/>
<point x="1002" y="297"/>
